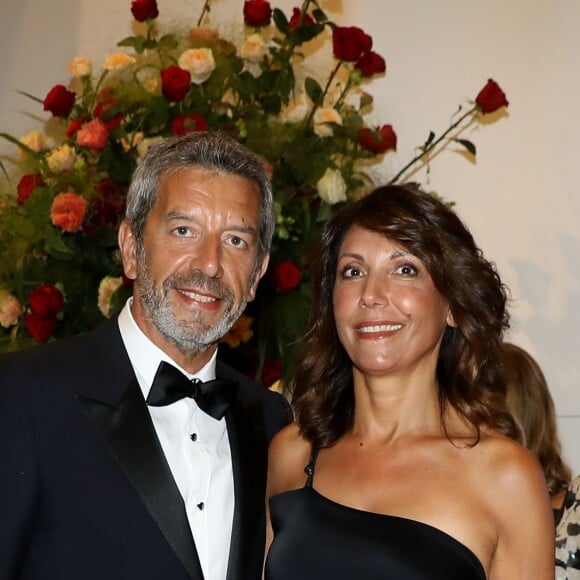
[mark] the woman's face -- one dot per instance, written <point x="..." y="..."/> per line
<point x="389" y="315"/>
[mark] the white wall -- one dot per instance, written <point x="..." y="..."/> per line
<point x="519" y="198"/>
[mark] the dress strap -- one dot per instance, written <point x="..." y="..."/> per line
<point x="309" y="469"/>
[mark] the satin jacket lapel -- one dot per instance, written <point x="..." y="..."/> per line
<point x="128" y="433"/>
<point x="246" y="433"/>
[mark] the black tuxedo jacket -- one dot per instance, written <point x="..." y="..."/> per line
<point x="85" y="490"/>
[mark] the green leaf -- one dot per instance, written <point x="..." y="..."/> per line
<point x="32" y="97"/>
<point x="280" y="21"/>
<point x="319" y="16"/>
<point x="313" y="89"/>
<point x="467" y="144"/>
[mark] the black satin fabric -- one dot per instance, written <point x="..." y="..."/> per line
<point x="318" y="539"/>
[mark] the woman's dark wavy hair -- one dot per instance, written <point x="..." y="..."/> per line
<point x="468" y="370"/>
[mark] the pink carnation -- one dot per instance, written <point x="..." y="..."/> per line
<point x="68" y="212"/>
<point x="93" y="135"/>
<point x="10" y="309"/>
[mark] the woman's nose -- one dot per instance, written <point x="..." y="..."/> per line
<point x="375" y="293"/>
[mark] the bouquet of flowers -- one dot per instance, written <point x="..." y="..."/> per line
<point x="60" y="272"/>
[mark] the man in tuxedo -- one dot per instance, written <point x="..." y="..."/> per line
<point x="132" y="452"/>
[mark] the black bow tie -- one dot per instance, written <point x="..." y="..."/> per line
<point x="170" y="385"/>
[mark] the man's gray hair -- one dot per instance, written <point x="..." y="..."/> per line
<point x="207" y="150"/>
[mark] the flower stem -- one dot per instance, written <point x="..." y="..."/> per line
<point x="320" y="100"/>
<point x="432" y="145"/>
<point x="205" y="10"/>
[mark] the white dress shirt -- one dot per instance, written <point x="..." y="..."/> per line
<point x="197" y="450"/>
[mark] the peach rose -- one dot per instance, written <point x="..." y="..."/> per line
<point x="240" y="332"/>
<point x="61" y="158"/>
<point x="322" y="119"/>
<point x="68" y="212"/>
<point x="93" y="135"/>
<point x="80" y="66"/>
<point x="10" y="309"/>
<point x="108" y="286"/>
<point x="199" y="62"/>
<point x="118" y="61"/>
<point x="253" y="49"/>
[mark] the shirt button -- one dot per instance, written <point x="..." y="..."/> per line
<point x="200" y="506"/>
<point x="193" y="436"/>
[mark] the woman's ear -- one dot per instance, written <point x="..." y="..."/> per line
<point x="450" y="320"/>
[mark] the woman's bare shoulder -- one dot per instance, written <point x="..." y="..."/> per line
<point x="288" y="455"/>
<point x="510" y="473"/>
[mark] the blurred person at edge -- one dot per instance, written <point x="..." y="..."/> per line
<point x="531" y="404"/>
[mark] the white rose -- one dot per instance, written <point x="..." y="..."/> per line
<point x="295" y="111"/>
<point x="80" y="66"/>
<point x="253" y="49"/>
<point x="322" y="119"/>
<point x="199" y="62"/>
<point x="107" y="288"/>
<point x="34" y="140"/>
<point x="150" y="79"/>
<point x="331" y="187"/>
<point x="61" y="159"/>
<point x="118" y="61"/>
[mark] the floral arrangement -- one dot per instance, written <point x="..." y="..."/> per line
<point x="60" y="272"/>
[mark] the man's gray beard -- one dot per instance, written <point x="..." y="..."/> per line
<point x="190" y="337"/>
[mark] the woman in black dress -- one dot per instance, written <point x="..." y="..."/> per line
<point x="401" y="463"/>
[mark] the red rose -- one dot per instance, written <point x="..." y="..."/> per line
<point x="285" y="276"/>
<point x="40" y="327"/>
<point x="175" y="83"/>
<point x="110" y="203"/>
<point x="257" y="12"/>
<point x="350" y="43"/>
<point x="59" y="101"/>
<point x="46" y="301"/>
<point x="378" y="141"/>
<point x="144" y="10"/>
<point x="491" y="98"/>
<point x="68" y="212"/>
<point x="74" y="126"/>
<point x="295" y="20"/>
<point x="27" y="184"/>
<point x="106" y="110"/>
<point x="271" y="372"/>
<point x="371" y="63"/>
<point x="93" y="135"/>
<point x="188" y="123"/>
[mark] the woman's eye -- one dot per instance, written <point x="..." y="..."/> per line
<point x="407" y="270"/>
<point x="351" y="272"/>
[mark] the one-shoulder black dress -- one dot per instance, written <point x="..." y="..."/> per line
<point x="318" y="539"/>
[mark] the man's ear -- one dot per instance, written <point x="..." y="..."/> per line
<point x="128" y="247"/>
<point x="258" y="277"/>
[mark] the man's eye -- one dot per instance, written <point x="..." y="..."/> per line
<point x="237" y="242"/>
<point x="181" y="230"/>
